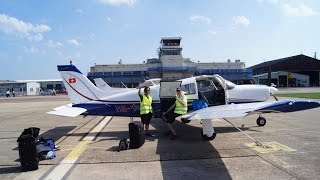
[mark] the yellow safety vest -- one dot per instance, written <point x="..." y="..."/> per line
<point x="180" y="109"/>
<point x="145" y="105"/>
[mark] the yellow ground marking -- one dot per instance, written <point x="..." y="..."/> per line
<point x="75" y="153"/>
<point x="66" y="164"/>
<point x="270" y="147"/>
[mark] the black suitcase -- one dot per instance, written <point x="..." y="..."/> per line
<point x="28" y="153"/>
<point x="136" y="135"/>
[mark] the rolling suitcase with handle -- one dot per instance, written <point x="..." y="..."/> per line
<point x="136" y="135"/>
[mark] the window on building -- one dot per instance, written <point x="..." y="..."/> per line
<point x="117" y="73"/>
<point x="31" y="89"/>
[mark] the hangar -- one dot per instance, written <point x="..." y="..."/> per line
<point x="299" y="64"/>
<point x="31" y="87"/>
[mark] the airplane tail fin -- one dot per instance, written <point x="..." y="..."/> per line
<point x="80" y="89"/>
<point x="101" y="84"/>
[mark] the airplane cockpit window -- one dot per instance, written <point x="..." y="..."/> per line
<point x="189" y="88"/>
<point x="211" y="91"/>
<point x="205" y="85"/>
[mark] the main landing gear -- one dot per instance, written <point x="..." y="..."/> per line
<point x="207" y="131"/>
<point x="261" y="121"/>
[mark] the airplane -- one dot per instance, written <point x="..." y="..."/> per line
<point x="224" y="99"/>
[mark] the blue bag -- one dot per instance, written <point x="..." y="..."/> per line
<point x="199" y="104"/>
<point x="45" y="148"/>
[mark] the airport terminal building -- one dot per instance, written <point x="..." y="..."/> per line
<point x="169" y="64"/>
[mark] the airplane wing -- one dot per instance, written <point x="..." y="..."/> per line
<point x="67" y="110"/>
<point x="241" y="110"/>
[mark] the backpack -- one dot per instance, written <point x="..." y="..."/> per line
<point x="123" y="144"/>
<point x="27" y="152"/>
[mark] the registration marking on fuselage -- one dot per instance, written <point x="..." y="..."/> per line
<point x="68" y="162"/>
<point x="270" y="147"/>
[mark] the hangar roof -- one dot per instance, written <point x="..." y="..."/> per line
<point x="294" y="63"/>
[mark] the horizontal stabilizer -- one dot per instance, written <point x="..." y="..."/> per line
<point x="67" y="111"/>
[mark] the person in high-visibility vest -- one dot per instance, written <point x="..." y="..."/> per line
<point x="181" y="107"/>
<point x="145" y="108"/>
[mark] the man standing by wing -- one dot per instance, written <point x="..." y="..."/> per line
<point x="181" y="107"/>
<point x="145" y="108"/>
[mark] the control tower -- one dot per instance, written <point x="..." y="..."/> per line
<point x="172" y="63"/>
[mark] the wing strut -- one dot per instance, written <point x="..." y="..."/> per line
<point x="255" y="141"/>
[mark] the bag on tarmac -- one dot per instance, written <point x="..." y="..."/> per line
<point x="136" y="135"/>
<point x="45" y="148"/>
<point x="123" y="144"/>
<point x="27" y="152"/>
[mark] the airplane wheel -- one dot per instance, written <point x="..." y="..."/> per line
<point x="185" y="121"/>
<point x="261" y="121"/>
<point x="207" y="137"/>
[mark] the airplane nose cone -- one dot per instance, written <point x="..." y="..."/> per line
<point x="273" y="89"/>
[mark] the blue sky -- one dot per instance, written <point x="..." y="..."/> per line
<point x="37" y="35"/>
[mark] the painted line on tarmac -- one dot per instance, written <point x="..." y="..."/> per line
<point x="60" y="171"/>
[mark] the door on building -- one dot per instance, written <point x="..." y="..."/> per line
<point x="283" y="81"/>
<point x="50" y="86"/>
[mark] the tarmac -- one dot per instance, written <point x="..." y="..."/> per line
<point x="88" y="146"/>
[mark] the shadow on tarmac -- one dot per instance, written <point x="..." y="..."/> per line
<point x="10" y="170"/>
<point x="188" y="156"/>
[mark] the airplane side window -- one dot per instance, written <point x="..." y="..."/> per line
<point x="189" y="88"/>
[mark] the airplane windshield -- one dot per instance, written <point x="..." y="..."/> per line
<point x="151" y="82"/>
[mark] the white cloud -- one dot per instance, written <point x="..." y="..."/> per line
<point x="268" y="1"/>
<point x="53" y="44"/>
<point x="197" y="19"/>
<point x="74" y="42"/>
<point x="240" y="20"/>
<point x="33" y="50"/>
<point x="12" y="25"/>
<point x="118" y="2"/>
<point x="109" y="19"/>
<point x="211" y="32"/>
<point x="297" y="10"/>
